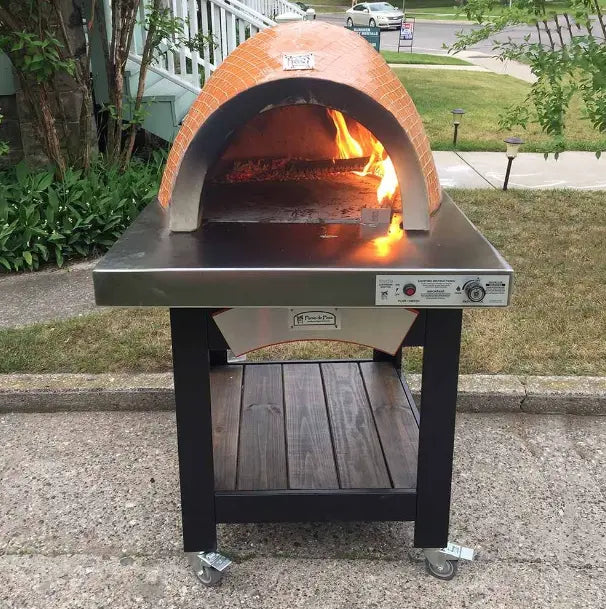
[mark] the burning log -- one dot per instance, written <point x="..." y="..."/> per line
<point x="282" y="170"/>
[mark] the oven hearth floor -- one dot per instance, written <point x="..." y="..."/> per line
<point x="336" y="198"/>
<point x="329" y="425"/>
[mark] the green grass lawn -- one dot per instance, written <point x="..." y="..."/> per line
<point x="556" y="325"/>
<point x="484" y="96"/>
<point x="422" y="58"/>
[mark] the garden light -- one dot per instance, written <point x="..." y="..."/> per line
<point x="513" y="147"/>
<point x="457" y="116"/>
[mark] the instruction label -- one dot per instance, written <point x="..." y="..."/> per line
<point x="442" y="290"/>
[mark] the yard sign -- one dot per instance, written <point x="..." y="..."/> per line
<point x="370" y="34"/>
<point x="407" y="33"/>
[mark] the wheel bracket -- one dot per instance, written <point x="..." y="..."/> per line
<point x="453" y="551"/>
<point x="209" y="559"/>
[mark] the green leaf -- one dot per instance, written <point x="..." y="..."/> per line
<point x="27" y="256"/>
<point x="5" y="263"/>
<point x="22" y="172"/>
<point x="45" y="181"/>
<point x="59" y="256"/>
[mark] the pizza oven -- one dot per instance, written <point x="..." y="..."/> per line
<point x="300" y="201"/>
<point x="321" y="143"/>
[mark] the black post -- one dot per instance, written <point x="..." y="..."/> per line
<point x="191" y="367"/>
<point x="396" y="359"/>
<point x="437" y="426"/>
<point x="509" y="162"/>
<point x="454" y="138"/>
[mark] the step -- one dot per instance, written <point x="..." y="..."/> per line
<point x="182" y="105"/>
<point x="131" y="78"/>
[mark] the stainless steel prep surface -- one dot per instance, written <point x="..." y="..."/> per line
<point x="237" y="264"/>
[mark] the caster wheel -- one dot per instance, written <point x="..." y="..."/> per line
<point x="209" y="576"/>
<point x="349" y="22"/>
<point x="448" y="571"/>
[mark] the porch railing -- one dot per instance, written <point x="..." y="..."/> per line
<point x="220" y="25"/>
<point x="273" y="8"/>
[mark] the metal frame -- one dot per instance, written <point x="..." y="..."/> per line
<point x="196" y="342"/>
<point x="241" y="264"/>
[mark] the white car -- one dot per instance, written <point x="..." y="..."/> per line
<point x="375" y="14"/>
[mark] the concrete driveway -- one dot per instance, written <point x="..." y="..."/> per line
<point x="89" y="517"/>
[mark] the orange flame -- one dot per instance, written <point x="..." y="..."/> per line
<point x="379" y="163"/>
<point x="347" y="146"/>
<point x="394" y="234"/>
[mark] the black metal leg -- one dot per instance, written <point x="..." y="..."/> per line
<point x="218" y="358"/>
<point x="437" y="426"/>
<point x="194" y="428"/>
<point x="396" y="360"/>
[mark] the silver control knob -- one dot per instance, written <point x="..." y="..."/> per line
<point x="474" y="290"/>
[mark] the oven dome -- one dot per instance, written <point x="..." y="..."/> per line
<point x="348" y="75"/>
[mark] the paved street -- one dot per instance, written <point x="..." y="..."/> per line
<point x="431" y="36"/>
<point x="89" y="516"/>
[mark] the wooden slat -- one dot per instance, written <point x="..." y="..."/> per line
<point x="193" y="32"/>
<point x="395" y="422"/>
<point x="205" y="33"/>
<point x="215" y="28"/>
<point x="311" y="463"/>
<point x="359" y="457"/>
<point x="241" y="31"/>
<point x="182" y="14"/>
<point x="226" y="392"/>
<point x="224" y="47"/>
<point x="231" y="32"/>
<point x="262" y="457"/>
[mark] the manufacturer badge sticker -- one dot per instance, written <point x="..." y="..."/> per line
<point x="298" y="61"/>
<point x="315" y="319"/>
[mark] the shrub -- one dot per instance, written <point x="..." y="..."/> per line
<point x="46" y="220"/>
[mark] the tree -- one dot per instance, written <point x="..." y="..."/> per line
<point x="45" y="50"/>
<point x="163" y="32"/>
<point x="567" y="55"/>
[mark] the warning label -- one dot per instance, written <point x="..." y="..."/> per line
<point x="442" y="290"/>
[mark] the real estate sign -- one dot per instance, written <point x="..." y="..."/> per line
<point x="370" y="34"/>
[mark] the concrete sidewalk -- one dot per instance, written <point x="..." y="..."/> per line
<point x="90" y="517"/>
<point x="574" y="170"/>
<point x="510" y="68"/>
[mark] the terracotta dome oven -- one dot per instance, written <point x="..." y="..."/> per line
<point x="301" y="136"/>
<point x="300" y="201"/>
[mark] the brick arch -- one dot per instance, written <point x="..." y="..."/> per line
<point x="348" y="75"/>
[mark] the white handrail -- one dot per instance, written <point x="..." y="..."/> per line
<point x="168" y="75"/>
<point x="216" y="27"/>
<point x="272" y="8"/>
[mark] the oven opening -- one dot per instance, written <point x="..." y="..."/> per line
<point x="304" y="163"/>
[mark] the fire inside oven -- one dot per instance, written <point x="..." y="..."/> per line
<point x="302" y="163"/>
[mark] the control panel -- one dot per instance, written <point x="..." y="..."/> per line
<point x="442" y="290"/>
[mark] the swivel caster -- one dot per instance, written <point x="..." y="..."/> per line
<point x="209" y="576"/>
<point x="447" y="570"/>
<point x="209" y="566"/>
<point x="443" y="562"/>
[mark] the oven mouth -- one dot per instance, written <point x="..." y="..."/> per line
<point x="302" y="164"/>
<point x="191" y="174"/>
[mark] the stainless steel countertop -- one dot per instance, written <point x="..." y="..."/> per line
<point x="255" y="264"/>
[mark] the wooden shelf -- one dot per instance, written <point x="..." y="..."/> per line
<point x="312" y="427"/>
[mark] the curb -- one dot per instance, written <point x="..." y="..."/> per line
<point x="580" y="395"/>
